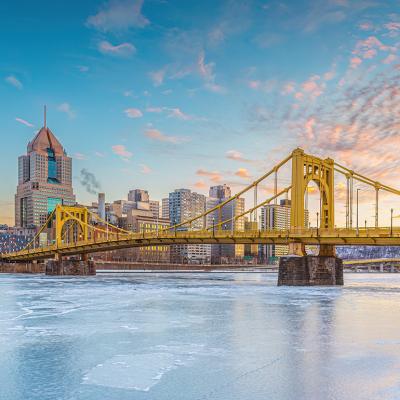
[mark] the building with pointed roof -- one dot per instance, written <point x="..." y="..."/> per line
<point x="44" y="179"/>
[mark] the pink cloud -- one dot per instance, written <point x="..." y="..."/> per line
<point x="236" y="156"/>
<point x="242" y="173"/>
<point x="288" y="88"/>
<point x="133" y="113"/>
<point x="144" y="169"/>
<point x="309" y="128"/>
<point x="120" y="150"/>
<point x="156" y="135"/>
<point x="254" y="84"/>
<point x="122" y="50"/>
<point x="389" y="59"/>
<point x="393" y="26"/>
<point x="355" y="62"/>
<point x="24" y="122"/>
<point x="200" y="185"/>
<point x="214" y="176"/>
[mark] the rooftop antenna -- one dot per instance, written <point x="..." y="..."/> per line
<point x="45" y="116"/>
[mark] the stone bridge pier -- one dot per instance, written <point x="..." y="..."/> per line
<point x="299" y="269"/>
<point x="76" y="267"/>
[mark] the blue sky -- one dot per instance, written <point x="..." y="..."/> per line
<point x="164" y="94"/>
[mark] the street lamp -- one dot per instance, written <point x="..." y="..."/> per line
<point x="391" y="222"/>
<point x="357" y="210"/>
<point x="213" y="226"/>
<point x="365" y="225"/>
<point x="317" y="223"/>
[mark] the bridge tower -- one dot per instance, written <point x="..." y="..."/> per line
<point x="324" y="268"/>
<point x="71" y="226"/>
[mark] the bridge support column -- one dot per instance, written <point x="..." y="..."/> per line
<point x="310" y="271"/>
<point x="299" y="269"/>
<point x="71" y="267"/>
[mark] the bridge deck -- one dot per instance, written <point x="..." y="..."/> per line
<point x="338" y="236"/>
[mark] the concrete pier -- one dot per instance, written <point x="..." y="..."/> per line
<point x="70" y="267"/>
<point x="310" y="271"/>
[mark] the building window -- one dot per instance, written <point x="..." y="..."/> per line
<point x="52" y="167"/>
<point x="52" y="203"/>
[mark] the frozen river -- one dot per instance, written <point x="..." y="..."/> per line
<point x="198" y="336"/>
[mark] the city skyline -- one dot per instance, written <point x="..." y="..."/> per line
<point x="132" y="85"/>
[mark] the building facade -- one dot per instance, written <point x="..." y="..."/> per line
<point x="183" y="205"/>
<point x="44" y="180"/>
<point x="276" y="216"/>
<point x="227" y="252"/>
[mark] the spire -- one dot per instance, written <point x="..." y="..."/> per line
<point x="45" y="122"/>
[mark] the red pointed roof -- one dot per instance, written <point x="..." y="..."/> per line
<point x="44" y="140"/>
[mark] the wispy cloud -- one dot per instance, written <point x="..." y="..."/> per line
<point x="156" y="135"/>
<point x="214" y="176"/>
<point x="157" y="76"/>
<point x="145" y="169"/>
<point x="99" y="154"/>
<point x="206" y="71"/>
<point x="173" y="112"/>
<point x="118" y="16"/>
<point x="67" y="109"/>
<point x="121" y="150"/>
<point x="24" y="122"/>
<point x="133" y="113"/>
<point x="83" y="68"/>
<point x="236" y="156"/>
<point x="79" y="156"/>
<point x="12" y="80"/>
<point x="121" y="50"/>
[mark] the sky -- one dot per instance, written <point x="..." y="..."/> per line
<point x="165" y="94"/>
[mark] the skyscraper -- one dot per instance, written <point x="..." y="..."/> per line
<point x="184" y="205"/>
<point x="44" y="179"/>
<point x="274" y="216"/>
<point x="219" y="194"/>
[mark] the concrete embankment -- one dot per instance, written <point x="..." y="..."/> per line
<point x="112" y="266"/>
<point x="22" y="268"/>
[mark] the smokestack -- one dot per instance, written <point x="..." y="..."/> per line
<point x="102" y="206"/>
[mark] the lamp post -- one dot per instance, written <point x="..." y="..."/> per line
<point x="391" y="222"/>
<point x="317" y="223"/>
<point x="357" y="210"/>
<point x="365" y="225"/>
<point x="213" y="226"/>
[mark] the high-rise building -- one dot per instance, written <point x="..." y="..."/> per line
<point x="155" y="208"/>
<point x="138" y="195"/>
<point x="276" y="216"/>
<point x="44" y="180"/>
<point x="184" y="205"/>
<point x="142" y="215"/>
<point x="165" y="208"/>
<point x="219" y="194"/>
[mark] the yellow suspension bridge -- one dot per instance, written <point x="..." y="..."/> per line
<point x="72" y="231"/>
